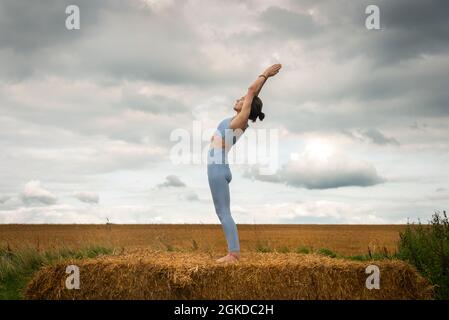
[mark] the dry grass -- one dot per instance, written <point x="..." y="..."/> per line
<point x="144" y="274"/>
<point x="341" y="239"/>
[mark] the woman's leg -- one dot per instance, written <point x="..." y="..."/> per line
<point x="219" y="177"/>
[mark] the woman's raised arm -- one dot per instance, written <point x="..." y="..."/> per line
<point x="241" y="119"/>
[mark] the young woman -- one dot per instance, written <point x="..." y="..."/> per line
<point x="219" y="174"/>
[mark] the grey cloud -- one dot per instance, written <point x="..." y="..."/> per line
<point x="190" y="196"/>
<point x="153" y="104"/>
<point x="410" y="29"/>
<point x="172" y="181"/>
<point x="13" y="202"/>
<point x="26" y="26"/>
<point x="77" y="163"/>
<point x="419" y="90"/>
<point x="378" y="137"/>
<point x="419" y="93"/>
<point x="327" y="180"/>
<point x="283" y="23"/>
<point x="85" y="196"/>
<point x="3" y="199"/>
<point x="372" y="135"/>
<point x="104" y="48"/>
<point x="418" y="126"/>
<point x="414" y="28"/>
<point x="30" y="150"/>
<point x="253" y="173"/>
<point x="128" y="117"/>
<point x="391" y="97"/>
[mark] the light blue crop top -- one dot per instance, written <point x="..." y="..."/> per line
<point x="219" y="155"/>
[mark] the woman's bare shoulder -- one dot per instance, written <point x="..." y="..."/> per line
<point x="242" y="125"/>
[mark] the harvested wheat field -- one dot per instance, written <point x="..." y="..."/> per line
<point x="143" y="274"/>
<point x="341" y="239"/>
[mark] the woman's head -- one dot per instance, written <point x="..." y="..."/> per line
<point x="256" y="108"/>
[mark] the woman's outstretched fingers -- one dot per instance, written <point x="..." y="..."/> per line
<point x="274" y="69"/>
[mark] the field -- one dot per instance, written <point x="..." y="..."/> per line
<point x="342" y="239"/>
<point x="177" y="262"/>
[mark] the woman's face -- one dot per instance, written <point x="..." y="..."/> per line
<point x="238" y="104"/>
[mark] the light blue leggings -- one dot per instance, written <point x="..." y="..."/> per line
<point x="219" y="176"/>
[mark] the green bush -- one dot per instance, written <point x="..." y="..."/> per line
<point x="427" y="248"/>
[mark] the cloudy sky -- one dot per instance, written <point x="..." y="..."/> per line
<point x="86" y="115"/>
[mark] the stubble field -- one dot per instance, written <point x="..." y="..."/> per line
<point x="342" y="239"/>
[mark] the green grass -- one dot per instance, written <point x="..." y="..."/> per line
<point x="263" y="249"/>
<point x="361" y="257"/>
<point x="327" y="252"/>
<point x="370" y="257"/>
<point x="18" y="267"/>
<point x="283" y="250"/>
<point x="303" y="250"/>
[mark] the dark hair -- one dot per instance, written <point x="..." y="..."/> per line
<point x="256" y="109"/>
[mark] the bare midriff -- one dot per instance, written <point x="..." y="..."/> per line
<point x="217" y="142"/>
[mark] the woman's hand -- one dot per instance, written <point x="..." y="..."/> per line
<point x="273" y="70"/>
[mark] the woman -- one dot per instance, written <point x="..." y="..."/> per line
<point x="218" y="171"/>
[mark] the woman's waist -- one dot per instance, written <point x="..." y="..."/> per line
<point x="217" y="156"/>
<point x="212" y="167"/>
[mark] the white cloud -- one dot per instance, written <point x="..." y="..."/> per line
<point x="321" y="166"/>
<point x="313" y="211"/>
<point x="64" y="213"/>
<point x="34" y="193"/>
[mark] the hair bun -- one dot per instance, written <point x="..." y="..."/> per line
<point x="261" y="116"/>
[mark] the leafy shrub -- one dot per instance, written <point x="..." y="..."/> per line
<point x="427" y="248"/>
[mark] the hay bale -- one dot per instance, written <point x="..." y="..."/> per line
<point x="162" y="275"/>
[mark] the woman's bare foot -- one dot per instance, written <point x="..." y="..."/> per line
<point x="230" y="257"/>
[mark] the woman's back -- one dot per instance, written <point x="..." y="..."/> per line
<point x="222" y="141"/>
